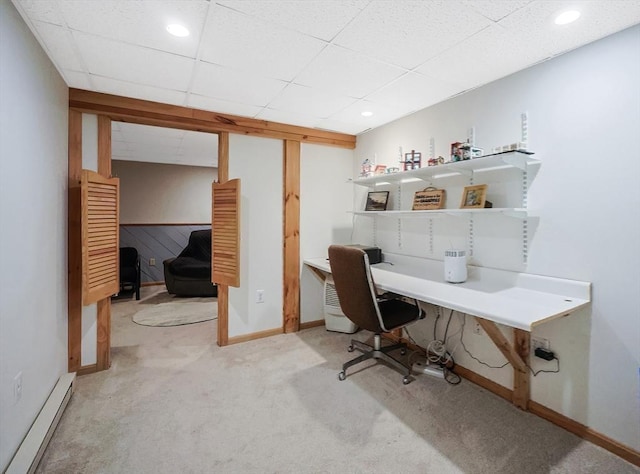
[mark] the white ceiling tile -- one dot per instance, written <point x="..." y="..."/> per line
<point x="414" y="91"/>
<point x="133" y="142"/>
<point x="252" y="45"/>
<point x="382" y="113"/>
<point x="129" y="63"/>
<point x="440" y="47"/>
<point x="533" y="28"/>
<point x="221" y="83"/>
<point x="495" y="10"/>
<point x="199" y="149"/>
<point x="40" y="10"/>
<point x="138" y="91"/>
<point x="410" y="32"/>
<point x="471" y="62"/>
<point x="77" y="80"/>
<point x="141" y="22"/>
<point x="342" y="127"/>
<point x="59" y="45"/>
<point x="346" y="73"/>
<point x="310" y="101"/>
<point x="222" y="106"/>
<point x="317" y="18"/>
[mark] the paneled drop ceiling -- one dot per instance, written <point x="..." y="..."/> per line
<point x="314" y="63"/>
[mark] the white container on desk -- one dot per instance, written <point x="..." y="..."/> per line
<point x="455" y="266"/>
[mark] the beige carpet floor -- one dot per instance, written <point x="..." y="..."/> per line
<point x="175" y="402"/>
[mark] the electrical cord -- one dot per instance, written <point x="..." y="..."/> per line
<point x="443" y="358"/>
<point x="464" y="319"/>
<point x="446" y="329"/>
<point x="533" y="372"/>
<point x="536" y="372"/>
<point x="451" y="377"/>
<point x="435" y="324"/>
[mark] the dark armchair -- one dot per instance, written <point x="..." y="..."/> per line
<point x="130" y="270"/>
<point x="189" y="274"/>
<point x="361" y="303"/>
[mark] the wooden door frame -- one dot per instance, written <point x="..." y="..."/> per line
<point x="110" y="108"/>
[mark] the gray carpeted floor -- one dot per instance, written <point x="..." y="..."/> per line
<point x="173" y="401"/>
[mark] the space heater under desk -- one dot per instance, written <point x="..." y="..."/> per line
<point x="334" y="318"/>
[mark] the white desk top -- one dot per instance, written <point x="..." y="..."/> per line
<point x="514" y="299"/>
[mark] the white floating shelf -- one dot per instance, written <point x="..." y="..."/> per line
<point x="518" y="213"/>
<point x="508" y="159"/>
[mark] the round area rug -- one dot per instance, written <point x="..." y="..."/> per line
<point x="176" y="313"/>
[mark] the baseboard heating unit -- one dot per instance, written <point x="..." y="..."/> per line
<point x="32" y="448"/>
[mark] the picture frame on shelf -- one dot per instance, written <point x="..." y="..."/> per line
<point x="474" y="197"/>
<point x="377" y="201"/>
<point x="429" y="199"/>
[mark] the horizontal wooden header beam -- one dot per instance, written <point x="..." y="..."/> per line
<point x="124" y="109"/>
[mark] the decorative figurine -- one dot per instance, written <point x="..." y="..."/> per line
<point x="412" y="161"/>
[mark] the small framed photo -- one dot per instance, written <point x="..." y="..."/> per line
<point x="474" y="197"/>
<point x="377" y="201"/>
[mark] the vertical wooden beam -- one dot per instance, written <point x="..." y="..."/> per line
<point x="74" y="243"/>
<point x="291" y="237"/>
<point x="103" y="323"/>
<point x="223" y="157"/>
<point x="223" y="290"/>
<point x="104" y="146"/>
<point x="522" y="379"/>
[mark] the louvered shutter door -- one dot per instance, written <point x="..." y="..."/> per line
<point x="100" y="238"/>
<point x="226" y="233"/>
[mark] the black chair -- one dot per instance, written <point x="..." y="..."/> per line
<point x="189" y="274"/>
<point x="130" y="270"/>
<point x="361" y="303"/>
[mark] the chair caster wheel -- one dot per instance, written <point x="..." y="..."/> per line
<point x="350" y="348"/>
<point x="403" y="351"/>
<point x="342" y="375"/>
<point x="406" y="380"/>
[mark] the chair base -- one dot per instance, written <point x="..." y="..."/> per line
<point x="380" y="353"/>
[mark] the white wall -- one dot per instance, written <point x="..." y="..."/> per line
<point x="258" y="163"/>
<point x="154" y="193"/>
<point x="89" y="325"/>
<point x="33" y="203"/>
<point x="584" y="118"/>
<point x="326" y="196"/>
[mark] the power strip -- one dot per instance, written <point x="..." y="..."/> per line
<point x="433" y="370"/>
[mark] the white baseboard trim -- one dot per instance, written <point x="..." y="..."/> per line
<point x="32" y="447"/>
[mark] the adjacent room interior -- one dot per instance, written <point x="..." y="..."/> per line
<point x="475" y="160"/>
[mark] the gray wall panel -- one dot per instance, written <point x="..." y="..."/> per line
<point x="156" y="241"/>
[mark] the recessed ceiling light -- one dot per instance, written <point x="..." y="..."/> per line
<point x="567" y="17"/>
<point x="367" y="113"/>
<point x="177" y="30"/>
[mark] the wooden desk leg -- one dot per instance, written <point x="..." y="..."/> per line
<point x="322" y="275"/>
<point x="514" y="354"/>
<point x="521" y="380"/>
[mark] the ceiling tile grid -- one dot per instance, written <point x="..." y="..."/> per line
<point x="313" y="63"/>
<point x="317" y="18"/>
<point x="249" y="44"/>
<point x="407" y="33"/>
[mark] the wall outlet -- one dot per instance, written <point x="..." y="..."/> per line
<point x="477" y="329"/>
<point x="17" y="387"/>
<point x="541" y="342"/>
<point x="152" y="262"/>
<point x="260" y="296"/>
